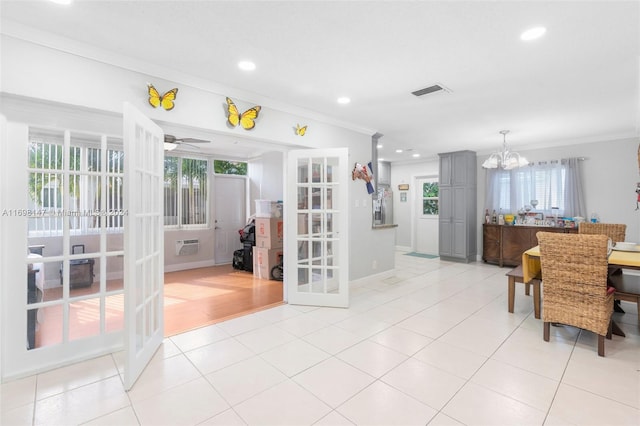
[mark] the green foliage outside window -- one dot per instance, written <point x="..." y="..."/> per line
<point x="430" y="190"/>
<point x="185" y="191"/>
<point x="430" y="198"/>
<point x="224" y="167"/>
<point x="429" y="206"/>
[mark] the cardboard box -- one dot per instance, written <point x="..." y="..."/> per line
<point x="268" y="243"/>
<point x="269" y="232"/>
<point x="264" y="260"/>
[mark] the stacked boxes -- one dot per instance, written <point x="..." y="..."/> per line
<point x="264" y="260"/>
<point x="269" y="232"/>
<point x="267" y="252"/>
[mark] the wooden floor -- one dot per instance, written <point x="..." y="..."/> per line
<point x="192" y="299"/>
<point x="203" y="296"/>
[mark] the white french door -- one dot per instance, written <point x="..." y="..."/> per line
<point x="54" y="182"/>
<point x="317" y="250"/>
<point x="143" y="241"/>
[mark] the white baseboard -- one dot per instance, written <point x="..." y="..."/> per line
<point x="403" y="248"/>
<point x="380" y="275"/>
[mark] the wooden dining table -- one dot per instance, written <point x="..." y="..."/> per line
<point x="531" y="261"/>
<point x="625" y="259"/>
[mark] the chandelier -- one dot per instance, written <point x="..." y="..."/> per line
<point x="506" y="159"/>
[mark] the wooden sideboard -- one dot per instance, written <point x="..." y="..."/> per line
<point x="504" y="244"/>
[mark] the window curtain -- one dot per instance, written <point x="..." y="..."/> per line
<point x="498" y="190"/>
<point x="574" y="195"/>
<point x="556" y="185"/>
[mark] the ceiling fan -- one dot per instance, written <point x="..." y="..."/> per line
<point x="171" y="142"/>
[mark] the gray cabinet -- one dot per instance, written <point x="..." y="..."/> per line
<point x="457" y="199"/>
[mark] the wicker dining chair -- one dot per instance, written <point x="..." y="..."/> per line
<point x="615" y="231"/>
<point x="574" y="283"/>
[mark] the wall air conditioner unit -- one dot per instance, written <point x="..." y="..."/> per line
<point x="187" y="247"/>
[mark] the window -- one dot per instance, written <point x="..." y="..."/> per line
<point x="185" y="191"/>
<point x="554" y="184"/>
<point x="224" y="167"/>
<point x="430" y="192"/>
<point x="70" y="186"/>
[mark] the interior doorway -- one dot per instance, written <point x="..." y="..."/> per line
<point x="205" y="295"/>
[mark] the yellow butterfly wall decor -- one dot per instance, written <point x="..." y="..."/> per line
<point x="300" y="131"/>
<point x="165" y="101"/>
<point x="246" y="119"/>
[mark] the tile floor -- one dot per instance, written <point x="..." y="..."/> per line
<point x="432" y="344"/>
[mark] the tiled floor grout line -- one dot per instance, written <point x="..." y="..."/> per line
<point x="469" y="380"/>
<point x="564" y="370"/>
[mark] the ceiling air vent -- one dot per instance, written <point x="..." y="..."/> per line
<point x="431" y="89"/>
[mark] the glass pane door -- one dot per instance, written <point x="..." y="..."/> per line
<point x="144" y="241"/>
<point x="317" y="267"/>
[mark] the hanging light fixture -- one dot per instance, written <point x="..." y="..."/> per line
<point x="506" y="159"/>
<point x="168" y="146"/>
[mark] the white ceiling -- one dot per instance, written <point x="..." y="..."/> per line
<point x="579" y="83"/>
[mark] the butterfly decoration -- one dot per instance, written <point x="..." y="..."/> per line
<point x="165" y="101"/>
<point x="300" y="131"/>
<point x="246" y="119"/>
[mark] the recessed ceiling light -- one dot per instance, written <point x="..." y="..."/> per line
<point x="533" y="33"/>
<point x="61" y="1"/>
<point x="398" y="151"/>
<point x="380" y="159"/>
<point x="246" y="65"/>
<point x="416" y="155"/>
<point x="343" y="100"/>
<point x="379" y="146"/>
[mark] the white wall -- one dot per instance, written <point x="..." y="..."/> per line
<point x="40" y="72"/>
<point x="266" y="178"/>
<point x="610" y="172"/>
<point x="94" y="91"/>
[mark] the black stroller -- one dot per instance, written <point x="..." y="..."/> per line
<point x="243" y="258"/>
